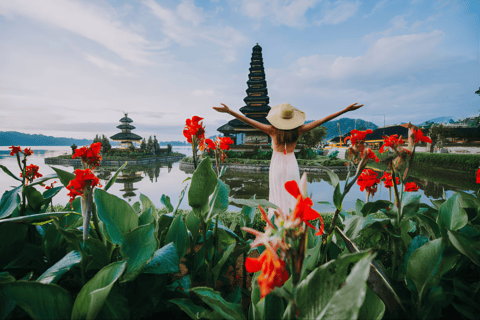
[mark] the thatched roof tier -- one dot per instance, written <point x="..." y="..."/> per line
<point x="125" y="127"/>
<point x="125" y="136"/>
<point x="126" y="119"/>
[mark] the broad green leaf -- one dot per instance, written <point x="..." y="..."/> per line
<point x="373" y="308"/>
<point x="117" y="215"/>
<point x="34" y="198"/>
<point x="215" y="301"/>
<point x="219" y="201"/>
<point x="137" y="248"/>
<point x="98" y="251"/>
<point x="50" y="193"/>
<point x="146" y="203"/>
<point x="427" y="264"/>
<point x="218" y="267"/>
<point x="273" y="306"/>
<point x="192" y="223"/>
<point x="177" y="233"/>
<point x="326" y="280"/>
<point x="416" y="243"/>
<point x="249" y="213"/>
<point x="43" y="179"/>
<point x="430" y="225"/>
<point x="166" y="202"/>
<point x="136" y="207"/>
<point x="146" y="217"/>
<point x="465" y="244"/>
<point x="114" y="177"/>
<point x="64" y="176"/>
<point x="115" y="307"/>
<point x="56" y="271"/>
<point x="410" y="204"/>
<point x="38" y="218"/>
<point x="353" y="226"/>
<point x="373" y="207"/>
<point x="180" y="197"/>
<point x="9" y="202"/>
<point x="359" y="204"/>
<point x="12" y="238"/>
<point x="451" y="215"/>
<point x="437" y="203"/>
<point x="39" y="300"/>
<point x="337" y="197"/>
<point x="204" y="181"/>
<point x="165" y="260"/>
<point x="5" y="169"/>
<point x="91" y="298"/>
<point x="254" y="203"/>
<point x="333" y="177"/>
<point x="190" y="308"/>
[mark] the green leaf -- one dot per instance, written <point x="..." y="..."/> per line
<point x="353" y="226"/>
<point x="180" y="197"/>
<point x="12" y="238"/>
<point x="204" y="181"/>
<point x="410" y="204"/>
<point x="98" y="251"/>
<point x="9" y="202"/>
<point x="192" y="223"/>
<point x="136" y="206"/>
<point x="215" y="301"/>
<point x="359" y="204"/>
<point x="337" y="197"/>
<point x="117" y="215"/>
<point x="373" y="207"/>
<point x="166" y="202"/>
<point x="114" y="178"/>
<point x="37" y="218"/>
<point x="64" y="176"/>
<point x="34" y="198"/>
<point x="451" y="215"/>
<point x="146" y="217"/>
<point x="430" y="225"/>
<point x="165" y="260"/>
<point x="91" y="298"/>
<point x="465" y="244"/>
<point x="43" y="179"/>
<point x="146" y="203"/>
<point x="219" y="202"/>
<point x="254" y="203"/>
<point x="218" y="267"/>
<point x="333" y="178"/>
<point x="427" y="264"/>
<point x="373" y="308"/>
<point x="115" y="307"/>
<point x="327" y="301"/>
<point x="39" y="300"/>
<point x="5" y="169"/>
<point x="137" y="248"/>
<point x="190" y="308"/>
<point x="50" y="193"/>
<point x="56" y="271"/>
<point x="177" y="233"/>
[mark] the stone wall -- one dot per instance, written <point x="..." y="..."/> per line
<point x="130" y="162"/>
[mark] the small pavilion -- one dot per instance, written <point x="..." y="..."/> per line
<point x="127" y="137"/>
<point x="256" y="106"/>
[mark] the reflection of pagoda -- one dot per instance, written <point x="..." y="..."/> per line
<point x="256" y="105"/>
<point x="126" y="136"/>
<point x="128" y="179"/>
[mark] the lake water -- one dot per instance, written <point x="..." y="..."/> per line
<point x="167" y="179"/>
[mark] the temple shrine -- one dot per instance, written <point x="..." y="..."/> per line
<point x="256" y="106"/>
<point x="126" y="136"/>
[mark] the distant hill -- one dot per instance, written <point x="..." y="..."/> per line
<point x="8" y="138"/>
<point x="440" y="120"/>
<point x="346" y="125"/>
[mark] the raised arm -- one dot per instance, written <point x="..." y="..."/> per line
<point x="309" y="126"/>
<point x="268" y="129"/>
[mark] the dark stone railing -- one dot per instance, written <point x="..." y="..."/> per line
<point x="130" y="162"/>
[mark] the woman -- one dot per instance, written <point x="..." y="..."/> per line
<point x="287" y="125"/>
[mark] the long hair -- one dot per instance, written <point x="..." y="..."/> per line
<point x="287" y="136"/>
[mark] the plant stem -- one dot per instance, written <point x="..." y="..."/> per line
<point x="332" y="226"/>
<point x="207" y="270"/>
<point x="24" y="172"/>
<point x="215" y="252"/>
<point x="95" y="223"/>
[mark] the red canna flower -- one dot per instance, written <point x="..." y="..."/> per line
<point x="303" y="210"/>
<point x="89" y="155"/>
<point x="372" y="155"/>
<point x="478" y="175"/>
<point x="368" y="180"/>
<point x="410" y="187"/>
<point x="225" y="143"/>
<point x="219" y="145"/>
<point x="210" y="144"/>
<point x="28" y="152"/>
<point x="357" y="135"/>
<point x="420" y="137"/>
<point x="50" y="186"/>
<point x="274" y="274"/>
<point x="389" y="180"/>
<point x="15" y="150"/>
<point x="83" y="178"/>
<point x="31" y="172"/>
<point x="391" y="143"/>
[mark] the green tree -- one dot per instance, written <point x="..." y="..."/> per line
<point x="143" y="145"/>
<point x="313" y="137"/>
<point x="106" y="146"/>
<point x="97" y="139"/>
<point x="74" y="147"/>
<point x="156" y="145"/>
<point x="150" y="147"/>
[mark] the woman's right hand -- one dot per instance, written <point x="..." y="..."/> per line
<point x="353" y="107"/>
<point x="223" y="109"/>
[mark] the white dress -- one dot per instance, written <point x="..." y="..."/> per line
<point x="283" y="168"/>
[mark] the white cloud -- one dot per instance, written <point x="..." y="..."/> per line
<point x="106" y="65"/>
<point x="184" y="26"/>
<point x="278" y="11"/>
<point x="198" y="92"/>
<point x="86" y="20"/>
<point x="339" y="12"/>
<point x="377" y="6"/>
<point x="399" y="23"/>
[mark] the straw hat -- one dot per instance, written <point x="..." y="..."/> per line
<point x="286" y="117"/>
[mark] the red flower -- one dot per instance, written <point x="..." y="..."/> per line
<point x="372" y="155"/>
<point x="195" y="128"/>
<point x="303" y="210"/>
<point x="15" y="150"/>
<point x="50" y="186"/>
<point x="210" y="144"/>
<point x="478" y="175"/>
<point x="357" y="135"/>
<point x="83" y="178"/>
<point x="389" y="180"/>
<point x="219" y="145"/>
<point x="28" y="152"/>
<point x="368" y="179"/>
<point x="90" y="155"/>
<point x="274" y="273"/>
<point x="31" y="172"/>
<point x="420" y="137"/>
<point x="392" y="142"/>
<point x="410" y="186"/>
<point x="225" y="143"/>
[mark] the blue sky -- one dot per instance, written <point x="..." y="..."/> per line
<point x="69" y="68"/>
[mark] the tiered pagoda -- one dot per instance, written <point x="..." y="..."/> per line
<point x="126" y="136"/>
<point x="256" y="105"/>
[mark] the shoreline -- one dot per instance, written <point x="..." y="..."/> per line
<point x="130" y="162"/>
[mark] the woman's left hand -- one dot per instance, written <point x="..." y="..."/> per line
<point x="353" y="107"/>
